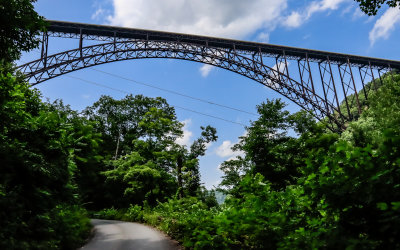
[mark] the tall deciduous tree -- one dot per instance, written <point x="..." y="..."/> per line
<point x="36" y="171"/>
<point x="139" y="134"/>
<point x="118" y="120"/>
<point x="268" y="148"/>
<point x="197" y="149"/>
<point x="19" y="26"/>
<point x="38" y="208"/>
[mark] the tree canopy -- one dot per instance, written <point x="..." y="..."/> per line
<point x="371" y="7"/>
<point x="19" y="26"/>
<point x="295" y="186"/>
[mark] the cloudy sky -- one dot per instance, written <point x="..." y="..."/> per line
<point x="331" y="25"/>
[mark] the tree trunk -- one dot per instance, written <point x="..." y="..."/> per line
<point x="179" y="170"/>
<point x="116" y="150"/>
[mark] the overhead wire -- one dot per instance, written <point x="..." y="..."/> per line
<point x="176" y="106"/>
<point x="174" y="92"/>
<point x="165" y="90"/>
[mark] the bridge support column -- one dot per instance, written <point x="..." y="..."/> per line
<point x="328" y="86"/>
<point x="45" y="47"/>
<point x="306" y="79"/>
<point x="347" y="80"/>
<point x="372" y="74"/>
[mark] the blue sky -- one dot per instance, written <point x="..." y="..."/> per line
<point x="331" y="25"/>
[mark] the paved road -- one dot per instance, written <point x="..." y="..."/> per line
<point x="119" y="235"/>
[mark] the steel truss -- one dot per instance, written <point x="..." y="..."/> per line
<point x="328" y="97"/>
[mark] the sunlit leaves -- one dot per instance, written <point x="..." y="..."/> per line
<point x="19" y="26"/>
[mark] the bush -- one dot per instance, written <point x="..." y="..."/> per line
<point x="134" y="213"/>
<point x="109" y="214"/>
<point x="71" y="226"/>
<point x="37" y="203"/>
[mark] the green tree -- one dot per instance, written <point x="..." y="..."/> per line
<point x="190" y="159"/>
<point x="156" y="165"/>
<point x="19" y="26"/>
<point x="118" y="120"/>
<point x="354" y="179"/>
<point x="371" y="7"/>
<point x="38" y="205"/>
<point x="345" y="194"/>
<point x="142" y="180"/>
<point x="268" y="149"/>
<point x="37" y="196"/>
<point x="146" y="172"/>
<point x="84" y="147"/>
<point x="234" y="170"/>
<point x="383" y="113"/>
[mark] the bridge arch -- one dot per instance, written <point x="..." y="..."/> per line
<point x="327" y="88"/>
<point x="273" y="77"/>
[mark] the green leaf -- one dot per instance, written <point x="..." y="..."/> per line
<point x="395" y="205"/>
<point x="382" y="206"/>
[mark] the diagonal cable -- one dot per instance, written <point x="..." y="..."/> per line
<point x="174" y="92"/>
<point x="127" y="92"/>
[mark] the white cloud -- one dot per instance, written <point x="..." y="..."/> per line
<point x="384" y="25"/>
<point x="185" y="140"/>
<point x="294" y="20"/>
<point x="209" y="144"/>
<point x="370" y="19"/>
<point x="297" y="18"/>
<point x="226" y="18"/>
<point x="103" y="9"/>
<point x="323" y="5"/>
<point x="348" y="9"/>
<point x="225" y="149"/>
<point x="358" y="13"/>
<point x="98" y="14"/>
<point x="205" y="70"/>
<point x="223" y="18"/>
<point x="263" y="37"/>
<point x="281" y="68"/>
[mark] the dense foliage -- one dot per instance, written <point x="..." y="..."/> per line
<point x="19" y="26"/>
<point x="140" y="159"/>
<point x="297" y="185"/>
<point x="38" y="206"/>
<point x="314" y="190"/>
<point x="55" y="161"/>
<point x="371" y="7"/>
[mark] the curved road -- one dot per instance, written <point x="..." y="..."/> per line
<point x="119" y="235"/>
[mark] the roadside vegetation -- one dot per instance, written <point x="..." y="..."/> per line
<point x="315" y="190"/>
<point x="297" y="185"/>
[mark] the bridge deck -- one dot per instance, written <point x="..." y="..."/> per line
<point x="96" y="31"/>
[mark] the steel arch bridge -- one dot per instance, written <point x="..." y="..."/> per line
<point x="324" y="83"/>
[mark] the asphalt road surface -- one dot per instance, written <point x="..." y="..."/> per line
<point x="119" y="235"/>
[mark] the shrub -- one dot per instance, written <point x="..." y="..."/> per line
<point x="71" y="226"/>
<point x="134" y="213"/>
<point x="109" y="214"/>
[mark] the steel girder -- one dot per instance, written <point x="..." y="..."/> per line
<point x="330" y="97"/>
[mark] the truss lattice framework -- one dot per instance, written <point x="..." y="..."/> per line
<point x="292" y="72"/>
